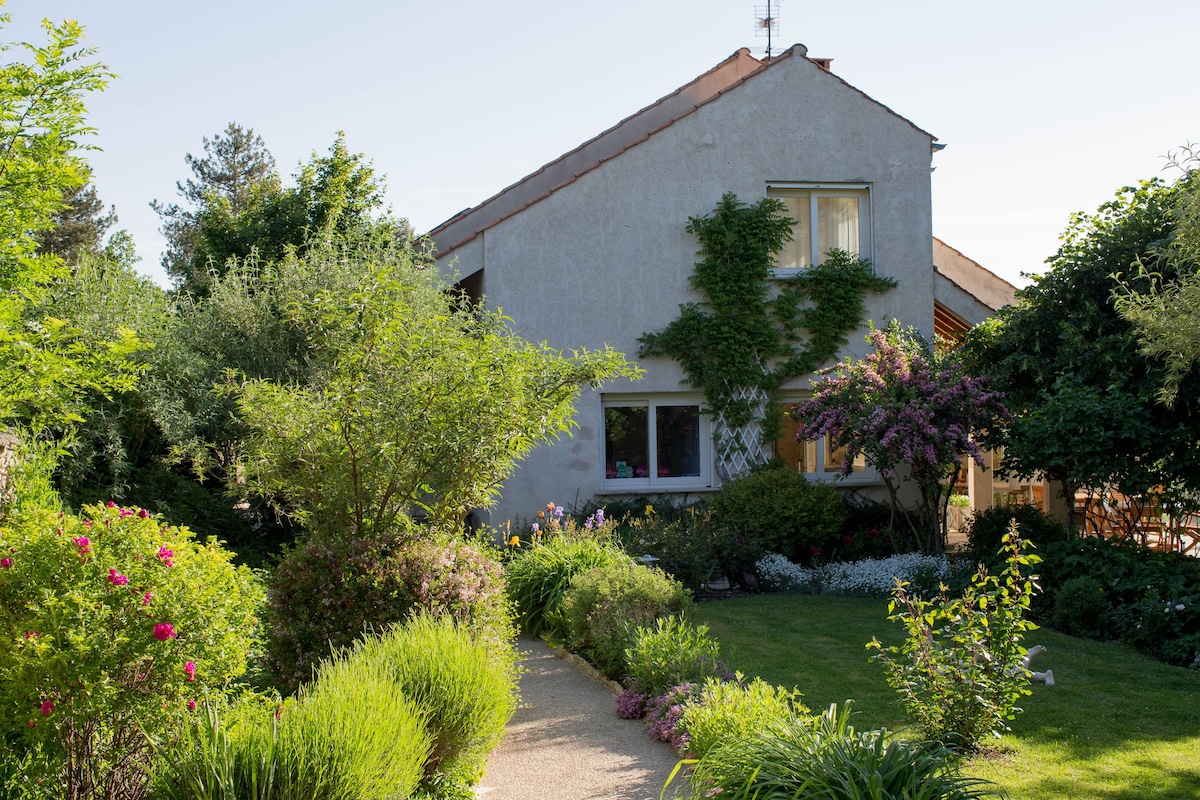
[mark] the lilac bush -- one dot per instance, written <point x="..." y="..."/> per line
<point x="905" y="405"/>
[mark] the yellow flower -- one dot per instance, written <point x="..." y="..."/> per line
<point x="541" y="515"/>
<point x="514" y="541"/>
<point x="649" y="511"/>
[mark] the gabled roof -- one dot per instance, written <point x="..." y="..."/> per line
<point x="971" y="277"/>
<point x="567" y="168"/>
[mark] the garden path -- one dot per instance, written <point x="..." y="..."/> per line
<point x="566" y="742"/>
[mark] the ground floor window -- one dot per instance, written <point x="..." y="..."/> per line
<point x="656" y="442"/>
<point x="816" y="458"/>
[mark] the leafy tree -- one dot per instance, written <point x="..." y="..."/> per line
<point x="905" y="405"/>
<point x="412" y="405"/>
<point x="79" y="226"/>
<point x="47" y="365"/>
<point x="242" y="209"/>
<point x="1167" y="315"/>
<point x="1071" y="368"/>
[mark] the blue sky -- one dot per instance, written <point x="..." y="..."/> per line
<point x="1045" y="107"/>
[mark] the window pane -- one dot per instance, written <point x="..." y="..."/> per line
<point x="835" y="458"/>
<point x="837" y="224"/>
<point x="626" y="442"/>
<point x="678" y="441"/>
<point x="798" y="252"/>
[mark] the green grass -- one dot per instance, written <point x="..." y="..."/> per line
<point x="1116" y="726"/>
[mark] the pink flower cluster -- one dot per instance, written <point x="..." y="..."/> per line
<point x="116" y="578"/>
<point x="83" y="544"/>
<point x="189" y="669"/>
<point x="164" y="631"/>
<point x="166" y="556"/>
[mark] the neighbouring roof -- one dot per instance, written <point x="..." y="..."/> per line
<point x="969" y="276"/>
<point x="727" y="75"/>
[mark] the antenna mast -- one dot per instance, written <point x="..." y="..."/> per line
<point x="766" y="21"/>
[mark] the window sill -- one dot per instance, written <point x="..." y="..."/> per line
<point x="646" y="488"/>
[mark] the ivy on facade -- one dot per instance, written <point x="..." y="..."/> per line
<point x="751" y="333"/>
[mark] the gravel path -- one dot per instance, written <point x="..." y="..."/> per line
<point x="566" y="741"/>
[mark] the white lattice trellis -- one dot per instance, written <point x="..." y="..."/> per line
<point x="737" y="449"/>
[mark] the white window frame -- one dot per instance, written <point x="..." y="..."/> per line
<point x="868" y="475"/>
<point x="653" y="482"/>
<point x="815" y="191"/>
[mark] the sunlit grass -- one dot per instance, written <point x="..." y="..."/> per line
<point x="1117" y="725"/>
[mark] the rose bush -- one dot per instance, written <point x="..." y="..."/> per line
<point x="111" y="623"/>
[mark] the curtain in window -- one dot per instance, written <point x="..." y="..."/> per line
<point x="837" y="224"/>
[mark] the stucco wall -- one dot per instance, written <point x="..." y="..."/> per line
<point x="607" y="257"/>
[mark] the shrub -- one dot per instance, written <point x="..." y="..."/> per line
<point x="326" y="593"/>
<point x="539" y="576"/>
<point x="1153" y="597"/>
<point x="352" y="733"/>
<point x="671" y="652"/>
<point x="111" y="623"/>
<point x="685" y="542"/>
<point x="986" y="530"/>
<point x="775" y="509"/>
<point x="1081" y="608"/>
<point x="831" y="760"/>
<point x="959" y="673"/>
<point x="464" y="687"/>
<point x="869" y="577"/>
<point x="734" y="710"/>
<point x="603" y="607"/>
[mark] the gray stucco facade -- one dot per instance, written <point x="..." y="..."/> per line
<point x="592" y="250"/>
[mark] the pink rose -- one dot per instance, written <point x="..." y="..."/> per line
<point x="6" y="562"/>
<point x="146" y="599"/>
<point x="47" y="708"/>
<point x="191" y="704"/>
<point x="164" y="631"/>
<point x="84" y="544"/>
<point x="116" y="578"/>
<point x="166" y="556"/>
<point x="189" y="669"/>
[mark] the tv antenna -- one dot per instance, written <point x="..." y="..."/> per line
<point x="766" y="21"/>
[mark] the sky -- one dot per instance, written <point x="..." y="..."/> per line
<point x="1046" y="108"/>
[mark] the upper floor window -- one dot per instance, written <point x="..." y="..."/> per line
<point x="826" y="217"/>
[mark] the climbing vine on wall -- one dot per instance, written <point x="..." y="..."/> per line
<point x="750" y="331"/>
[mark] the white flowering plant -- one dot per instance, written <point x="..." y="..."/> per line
<point x="872" y="577"/>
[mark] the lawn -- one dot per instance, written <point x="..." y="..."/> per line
<point x="1116" y="726"/>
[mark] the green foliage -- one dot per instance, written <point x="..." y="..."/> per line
<point x="1081" y="608"/>
<point x="109" y="624"/>
<point x="412" y="404"/>
<point x="735" y="710"/>
<point x="1083" y="396"/>
<point x="1165" y="316"/>
<point x="604" y="606"/>
<point x="351" y="734"/>
<point x="959" y="672"/>
<point x="42" y="123"/>
<point x="239" y="208"/>
<point x="47" y="366"/>
<point x="326" y="593"/>
<point x="672" y="652"/>
<point x="414" y="710"/>
<point x="774" y="509"/>
<point x="987" y="527"/>
<point x="540" y="575"/>
<point x="829" y="760"/>
<point x="1152" y="598"/>
<point x="743" y="335"/>
<point x="228" y="753"/>
<point x="79" y="226"/>
<point x="684" y="540"/>
<point x="463" y="685"/>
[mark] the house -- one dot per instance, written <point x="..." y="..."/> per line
<point x="592" y="249"/>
